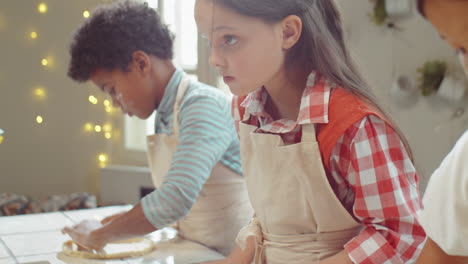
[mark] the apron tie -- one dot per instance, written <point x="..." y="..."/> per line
<point x="259" y="256"/>
<point x="312" y="243"/>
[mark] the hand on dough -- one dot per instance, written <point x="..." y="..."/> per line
<point x="83" y="234"/>
<point x="112" y="218"/>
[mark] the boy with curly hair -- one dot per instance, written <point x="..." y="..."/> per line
<point x="125" y="50"/>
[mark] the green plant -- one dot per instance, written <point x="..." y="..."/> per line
<point x="379" y="13"/>
<point x="431" y="75"/>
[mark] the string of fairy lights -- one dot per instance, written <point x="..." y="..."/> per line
<point x="40" y="94"/>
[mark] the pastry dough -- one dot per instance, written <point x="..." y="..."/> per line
<point x="123" y="249"/>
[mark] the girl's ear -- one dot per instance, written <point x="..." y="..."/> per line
<point x="141" y="61"/>
<point x="291" y="29"/>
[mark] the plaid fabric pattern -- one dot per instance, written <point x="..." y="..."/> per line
<point x="370" y="172"/>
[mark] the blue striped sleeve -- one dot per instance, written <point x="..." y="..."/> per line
<point x="205" y="134"/>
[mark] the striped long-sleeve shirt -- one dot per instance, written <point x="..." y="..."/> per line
<point x="207" y="136"/>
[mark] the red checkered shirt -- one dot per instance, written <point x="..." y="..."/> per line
<point x="370" y="172"/>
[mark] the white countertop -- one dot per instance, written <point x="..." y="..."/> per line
<point x="36" y="238"/>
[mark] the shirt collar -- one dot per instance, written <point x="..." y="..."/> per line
<point x="313" y="109"/>
<point x="167" y="102"/>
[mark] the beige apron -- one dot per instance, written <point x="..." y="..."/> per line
<point x="222" y="207"/>
<point x="300" y="217"/>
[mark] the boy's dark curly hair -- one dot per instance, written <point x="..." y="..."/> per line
<point x="112" y="34"/>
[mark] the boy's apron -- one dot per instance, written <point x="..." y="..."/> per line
<point x="300" y="217"/>
<point x="222" y="207"/>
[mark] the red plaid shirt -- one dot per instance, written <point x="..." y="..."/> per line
<point x="370" y="172"/>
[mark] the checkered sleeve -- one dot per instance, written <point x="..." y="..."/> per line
<point x="382" y="182"/>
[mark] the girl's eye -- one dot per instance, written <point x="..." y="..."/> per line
<point x="112" y="91"/>
<point x="230" y="40"/>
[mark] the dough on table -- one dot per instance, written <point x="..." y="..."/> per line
<point x="135" y="247"/>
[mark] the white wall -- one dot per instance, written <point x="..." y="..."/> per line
<point x="382" y="54"/>
<point x="57" y="156"/>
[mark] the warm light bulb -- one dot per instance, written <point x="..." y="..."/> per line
<point x="44" y="62"/>
<point x="108" y="109"/>
<point x="106" y="102"/>
<point x="108" y="135"/>
<point x="86" y="14"/>
<point x="42" y="8"/>
<point x="39" y="119"/>
<point x="88" y="127"/>
<point x="33" y="35"/>
<point x="102" y="157"/>
<point x="1" y="139"/>
<point x="92" y="99"/>
<point x="97" y="128"/>
<point x="40" y="93"/>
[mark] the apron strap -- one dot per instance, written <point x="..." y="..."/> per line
<point x="245" y="116"/>
<point x="183" y="86"/>
<point x="308" y="133"/>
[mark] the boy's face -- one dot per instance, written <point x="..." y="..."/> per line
<point x="131" y="91"/>
<point x="450" y="18"/>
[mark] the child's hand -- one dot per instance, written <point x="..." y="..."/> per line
<point x="83" y="234"/>
<point x="111" y="218"/>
